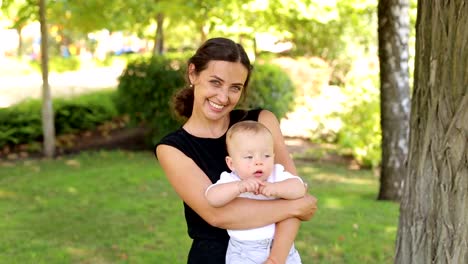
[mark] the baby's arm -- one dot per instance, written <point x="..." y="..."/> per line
<point x="290" y="189"/>
<point x="222" y="193"/>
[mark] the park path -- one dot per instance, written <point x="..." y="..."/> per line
<point x="14" y="89"/>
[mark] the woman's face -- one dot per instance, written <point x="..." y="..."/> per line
<point x="218" y="88"/>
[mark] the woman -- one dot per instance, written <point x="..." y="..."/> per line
<point x="193" y="156"/>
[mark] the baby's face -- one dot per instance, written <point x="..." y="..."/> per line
<point x="251" y="155"/>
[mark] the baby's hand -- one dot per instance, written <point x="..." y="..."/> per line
<point x="250" y="185"/>
<point x="268" y="189"/>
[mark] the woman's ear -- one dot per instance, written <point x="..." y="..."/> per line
<point x="229" y="163"/>
<point x="191" y="73"/>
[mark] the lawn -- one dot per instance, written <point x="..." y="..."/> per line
<point x="117" y="207"/>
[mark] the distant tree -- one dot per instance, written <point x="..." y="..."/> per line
<point x="159" y="36"/>
<point x="21" y="13"/>
<point x="433" y="226"/>
<point x="48" y="127"/>
<point x="393" y="35"/>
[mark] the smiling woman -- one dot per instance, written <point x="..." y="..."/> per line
<point x="193" y="156"/>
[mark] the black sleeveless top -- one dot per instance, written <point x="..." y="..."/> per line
<point x="209" y="154"/>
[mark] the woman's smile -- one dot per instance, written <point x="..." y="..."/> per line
<point x="215" y="105"/>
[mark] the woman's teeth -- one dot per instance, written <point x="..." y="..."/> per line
<point x="217" y="106"/>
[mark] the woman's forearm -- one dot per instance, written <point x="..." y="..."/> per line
<point x="244" y="213"/>
<point x="285" y="234"/>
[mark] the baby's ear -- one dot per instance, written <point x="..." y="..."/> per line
<point x="229" y="163"/>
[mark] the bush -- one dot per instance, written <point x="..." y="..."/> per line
<point x="361" y="133"/>
<point x="145" y="90"/>
<point x="85" y="112"/>
<point x="21" y="124"/>
<point x="270" y="88"/>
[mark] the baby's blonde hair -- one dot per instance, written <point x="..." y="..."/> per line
<point x="245" y="126"/>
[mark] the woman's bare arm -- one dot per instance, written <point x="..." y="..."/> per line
<point x="286" y="230"/>
<point x="282" y="155"/>
<point x="190" y="183"/>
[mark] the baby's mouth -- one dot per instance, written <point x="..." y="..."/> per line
<point x="258" y="173"/>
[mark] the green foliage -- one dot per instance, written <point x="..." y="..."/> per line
<point x="361" y="132"/>
<point x="85" y="112"/>
<point x="118" y="207"/>
<point x="270" y="88"/>
<point x="145" y="90"/>
<point x="22" y="123"/>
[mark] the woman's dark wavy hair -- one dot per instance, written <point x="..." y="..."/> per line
<point x="221" y="49"/>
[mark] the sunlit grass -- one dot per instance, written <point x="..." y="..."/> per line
<point x="117" y="207"/>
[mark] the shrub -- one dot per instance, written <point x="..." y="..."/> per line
<point x="21" y="123"/>
<point x="145" y="90"/>
<point x="270" y="88"/>
<point x="361" y="132"/>
<point x="85" y="112"/>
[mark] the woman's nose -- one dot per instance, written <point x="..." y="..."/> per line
<point x="223" y="95"/>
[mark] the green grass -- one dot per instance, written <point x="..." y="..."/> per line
<point x="117" y="207"/>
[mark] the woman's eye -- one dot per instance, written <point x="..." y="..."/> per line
<point x="236" y="88"/>
<point x="215" y="82"/>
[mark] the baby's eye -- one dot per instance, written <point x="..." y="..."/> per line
<point x="267" y="155"/>
<point x="248" y="157"/>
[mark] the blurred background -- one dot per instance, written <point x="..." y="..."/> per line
<point x="328" y="49"/>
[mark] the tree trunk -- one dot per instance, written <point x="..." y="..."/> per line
<point x="19" y="52"/>
<point x="48" y="127"/>
<point x="433" y="225"/>
<point x="159" y="39"/>
<point x="393" y="20"/>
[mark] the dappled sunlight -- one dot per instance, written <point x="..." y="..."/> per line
<point x="89" y="256"/>
<point x="78" y="252"/>
<point x="7" y="194"/>
<point x="333" y="203"/>
<point x="336" y="178"/>
<point x="390" y="229"/>
<point x="72" y="190"/>
<point x="341" y="179"/>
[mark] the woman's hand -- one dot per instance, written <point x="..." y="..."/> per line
<point x="306" y="207"/>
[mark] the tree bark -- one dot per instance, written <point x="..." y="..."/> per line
<point x="159" y="39"/>
<point x="393" y="34"/>
<point x="433" y="225"/>
<point x="19" y="52"/>
<point x="48" y="127"/>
